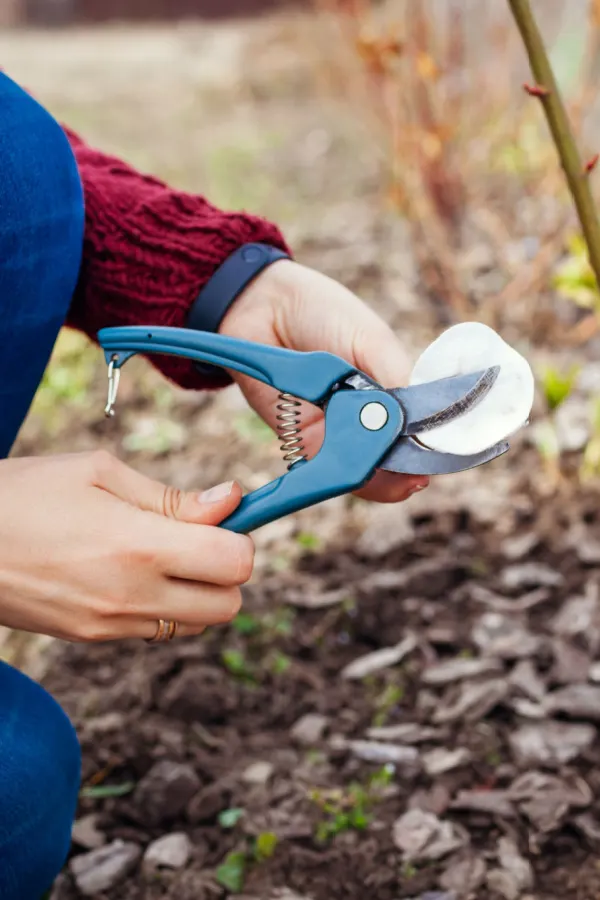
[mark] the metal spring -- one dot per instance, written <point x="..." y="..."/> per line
<point x="289" y="429"/>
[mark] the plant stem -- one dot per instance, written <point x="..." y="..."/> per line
<point x="562" y="134"/>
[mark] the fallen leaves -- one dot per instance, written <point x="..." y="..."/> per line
<point x="422" y="836"/>
<point x="473" y="702"/>
<point x="379" y="659"/>
<point x="550" y="743"/>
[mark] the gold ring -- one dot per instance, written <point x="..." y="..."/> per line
<point x="165" y="631"/>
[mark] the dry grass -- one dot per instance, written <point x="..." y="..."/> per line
<point x="440" y="84"/>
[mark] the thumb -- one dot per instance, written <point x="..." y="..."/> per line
<point x="209" y="507"/>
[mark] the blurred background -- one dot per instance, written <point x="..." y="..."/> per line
<point x="394" y="144"/>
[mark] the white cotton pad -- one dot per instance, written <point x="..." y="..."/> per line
<point x="470" y="347"/>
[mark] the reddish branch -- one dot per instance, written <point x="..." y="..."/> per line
<point x="549" y="96"/>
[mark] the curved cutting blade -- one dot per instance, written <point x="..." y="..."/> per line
<point x="411" y="458"/>
<point x="430" y="405"/>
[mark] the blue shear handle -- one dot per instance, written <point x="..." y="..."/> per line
<point x="347" y="459"/>
<point x="309" y="376"/>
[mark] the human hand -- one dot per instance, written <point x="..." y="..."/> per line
<point x="288" y="305"/>
<point x="92" y="551"/>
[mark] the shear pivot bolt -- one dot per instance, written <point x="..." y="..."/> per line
<point x="373" y="416"/>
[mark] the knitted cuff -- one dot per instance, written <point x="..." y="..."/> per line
<point x="148" y="250"/>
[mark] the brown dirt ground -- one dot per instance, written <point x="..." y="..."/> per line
<point x="136" y="705"/>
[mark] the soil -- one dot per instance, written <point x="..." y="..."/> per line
<point x="227" y="706"/>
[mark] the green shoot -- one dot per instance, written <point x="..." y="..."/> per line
<point x="279" y="663"/>
<point x="101" y="791"/>
<point x="245" y="623"/>
<point x="349" y="810"/>
<point x="308" y="540"/>
<point x="229" y="818"/>
<point x="558" y="386"/>
<point x="231" y="873"/>
<point x="389" y="698"/>
<point x="265" y="846"/>
<point x="236" y="663"/>
<point x="575" y="278"/>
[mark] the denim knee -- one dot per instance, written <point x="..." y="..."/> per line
<point x="40" y="765"/>
<point x="41" y="242"/>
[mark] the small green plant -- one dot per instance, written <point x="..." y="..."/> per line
<point x="308" y="540"/>
<point x="387" y="700"/>
<point x="246" y="624"/>
<point x="350" y="809"/>
<point x="256" y="653"/>
<point x="557" y="386"/>
<point x="231" y="874"/>
<point x="229" y="818"/>
<point x="278" y="623"/>
<point x="236" y="663"/>
<point x="265" y="846"/>
<point x="101" y="791"/>
<point x="344" y="812"/>
<point x="575" y="278"/>
<point x="408" y="871"/>
<point x="273" y="624"/>
<point x="279" y="663"/>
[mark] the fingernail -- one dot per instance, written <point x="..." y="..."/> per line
<point x="216" y="493"/>
<point x="416" y="489"/>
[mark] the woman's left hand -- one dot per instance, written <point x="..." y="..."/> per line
<point x="289" y="305"/>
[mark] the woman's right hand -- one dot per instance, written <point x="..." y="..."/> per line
<point x="92" y="551"/>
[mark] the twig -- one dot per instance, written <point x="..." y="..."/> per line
<point x="548" y="93"/>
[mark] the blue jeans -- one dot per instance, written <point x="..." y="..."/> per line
<point x="41" y="238"/>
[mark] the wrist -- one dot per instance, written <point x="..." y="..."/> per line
<point x="224" y="289"/>
<point x="255" y="310"/>
<point x="228" y="282"/>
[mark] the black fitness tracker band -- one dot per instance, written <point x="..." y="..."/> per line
<point x="226" y="284"/>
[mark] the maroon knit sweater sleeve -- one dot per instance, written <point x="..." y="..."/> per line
<point x="148" y="250"/>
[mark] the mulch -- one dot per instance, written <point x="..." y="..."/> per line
<point x="301" y="763"/>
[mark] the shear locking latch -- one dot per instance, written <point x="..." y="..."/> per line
<point x="114" y="375"/>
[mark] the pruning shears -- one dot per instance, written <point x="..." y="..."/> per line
<point x="366" y="426"/>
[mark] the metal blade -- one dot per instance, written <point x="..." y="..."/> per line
<point x="430" y="405"/>
<point x="411" y="458"/>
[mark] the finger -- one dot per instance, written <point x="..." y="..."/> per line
<point x="381" y="354"/>
<point x="192" y="606"/>
<point x="200" y="553"/>
<point x="211" y="506"/>
<point x="387" y="487"/>
<point x="208" y="508"/>
<point x="199" y="605"/>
